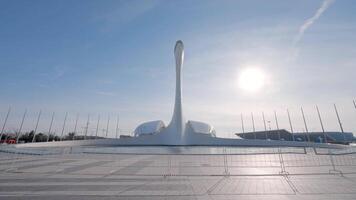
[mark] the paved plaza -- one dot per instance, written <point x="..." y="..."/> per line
<point x="300" y="174"/>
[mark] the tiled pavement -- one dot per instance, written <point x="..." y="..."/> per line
<point x="93" y="176"/>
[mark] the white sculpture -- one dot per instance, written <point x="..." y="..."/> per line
<point x="149" y="128"/>
<point x="176" y="128"/>
<point x="177" y="133"/>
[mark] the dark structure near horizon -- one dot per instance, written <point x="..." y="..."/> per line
<point x="318" y="137"/>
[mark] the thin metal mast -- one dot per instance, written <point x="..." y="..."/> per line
<point x="50" y="126"/>
<point x="64" y="124"/>
<point x="354" y="104"/>
<point x="75" y="126"/>
<point x="321" y="123"/>
<point x="117" y="126"/>
<point x="4" y="125"/>
<point x="290" y="124"/>
<point x="20" y="129"/>
<point x="242" y="124"/>
<point x="339" y="120"/>
<point x="305" y="125"/>
<point x="107" y="126"/>
<point x="97" y="127"/>
<point x="253" y="125"/>
<point x="86" y="128"/>
<point x="275" y="117"/>
<point x="35" y="131"/>
<point x="264" y="123"/>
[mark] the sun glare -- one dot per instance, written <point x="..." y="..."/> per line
<point x="251" y="79"/>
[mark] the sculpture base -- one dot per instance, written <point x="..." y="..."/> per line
<point x="195" y="140"/>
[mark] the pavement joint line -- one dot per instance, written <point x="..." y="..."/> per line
<point x="291" y="185"/>
<point x="213" y="187"/>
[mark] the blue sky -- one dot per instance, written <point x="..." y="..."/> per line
<point x="116" y="57"/>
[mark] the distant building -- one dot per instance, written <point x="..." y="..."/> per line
<point x="125" y="136"/>
<point x="318" y="137"/>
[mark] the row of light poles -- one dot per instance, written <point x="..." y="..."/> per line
<point x="307" y="136"/>
<point x="86" y="128"/>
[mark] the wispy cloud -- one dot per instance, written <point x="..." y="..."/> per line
<point x="309" y="22"/>
<point x="52" y="75"/>
<point x="55" y="73"/>
<point x="306" y="25"/>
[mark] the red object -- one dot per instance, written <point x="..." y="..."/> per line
<point x="10" y="141"/>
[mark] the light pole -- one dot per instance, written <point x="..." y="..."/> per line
<point x="107" y="127"/>
<point x="64" y="124"/>
<point x="253" y="126"/>
<point x="35" y="131"/>
<point x="290" y="124"/>
<point x="50" y="127"/>
<point x="97" y="127"/>
<point x="117" y="126"/>
<point x="275" y="117"/>
<point x="321" y="123"/>
<point x="242" y="125"/>
<point x="75" y="126"/>
<point x="340" y="124"/>
<point x="3" y="127"/>
<point x="264" y="124"/>
<point x="305" y="124"/>
<point x="20" y="129"/>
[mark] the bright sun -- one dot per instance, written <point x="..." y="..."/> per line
<point x="251" y="79"/>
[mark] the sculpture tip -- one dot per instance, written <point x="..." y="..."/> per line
<point x="179" y="45"/>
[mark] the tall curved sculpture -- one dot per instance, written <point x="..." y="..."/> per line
<point x="179" y="131"/>
<point x="176" y="127"/>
